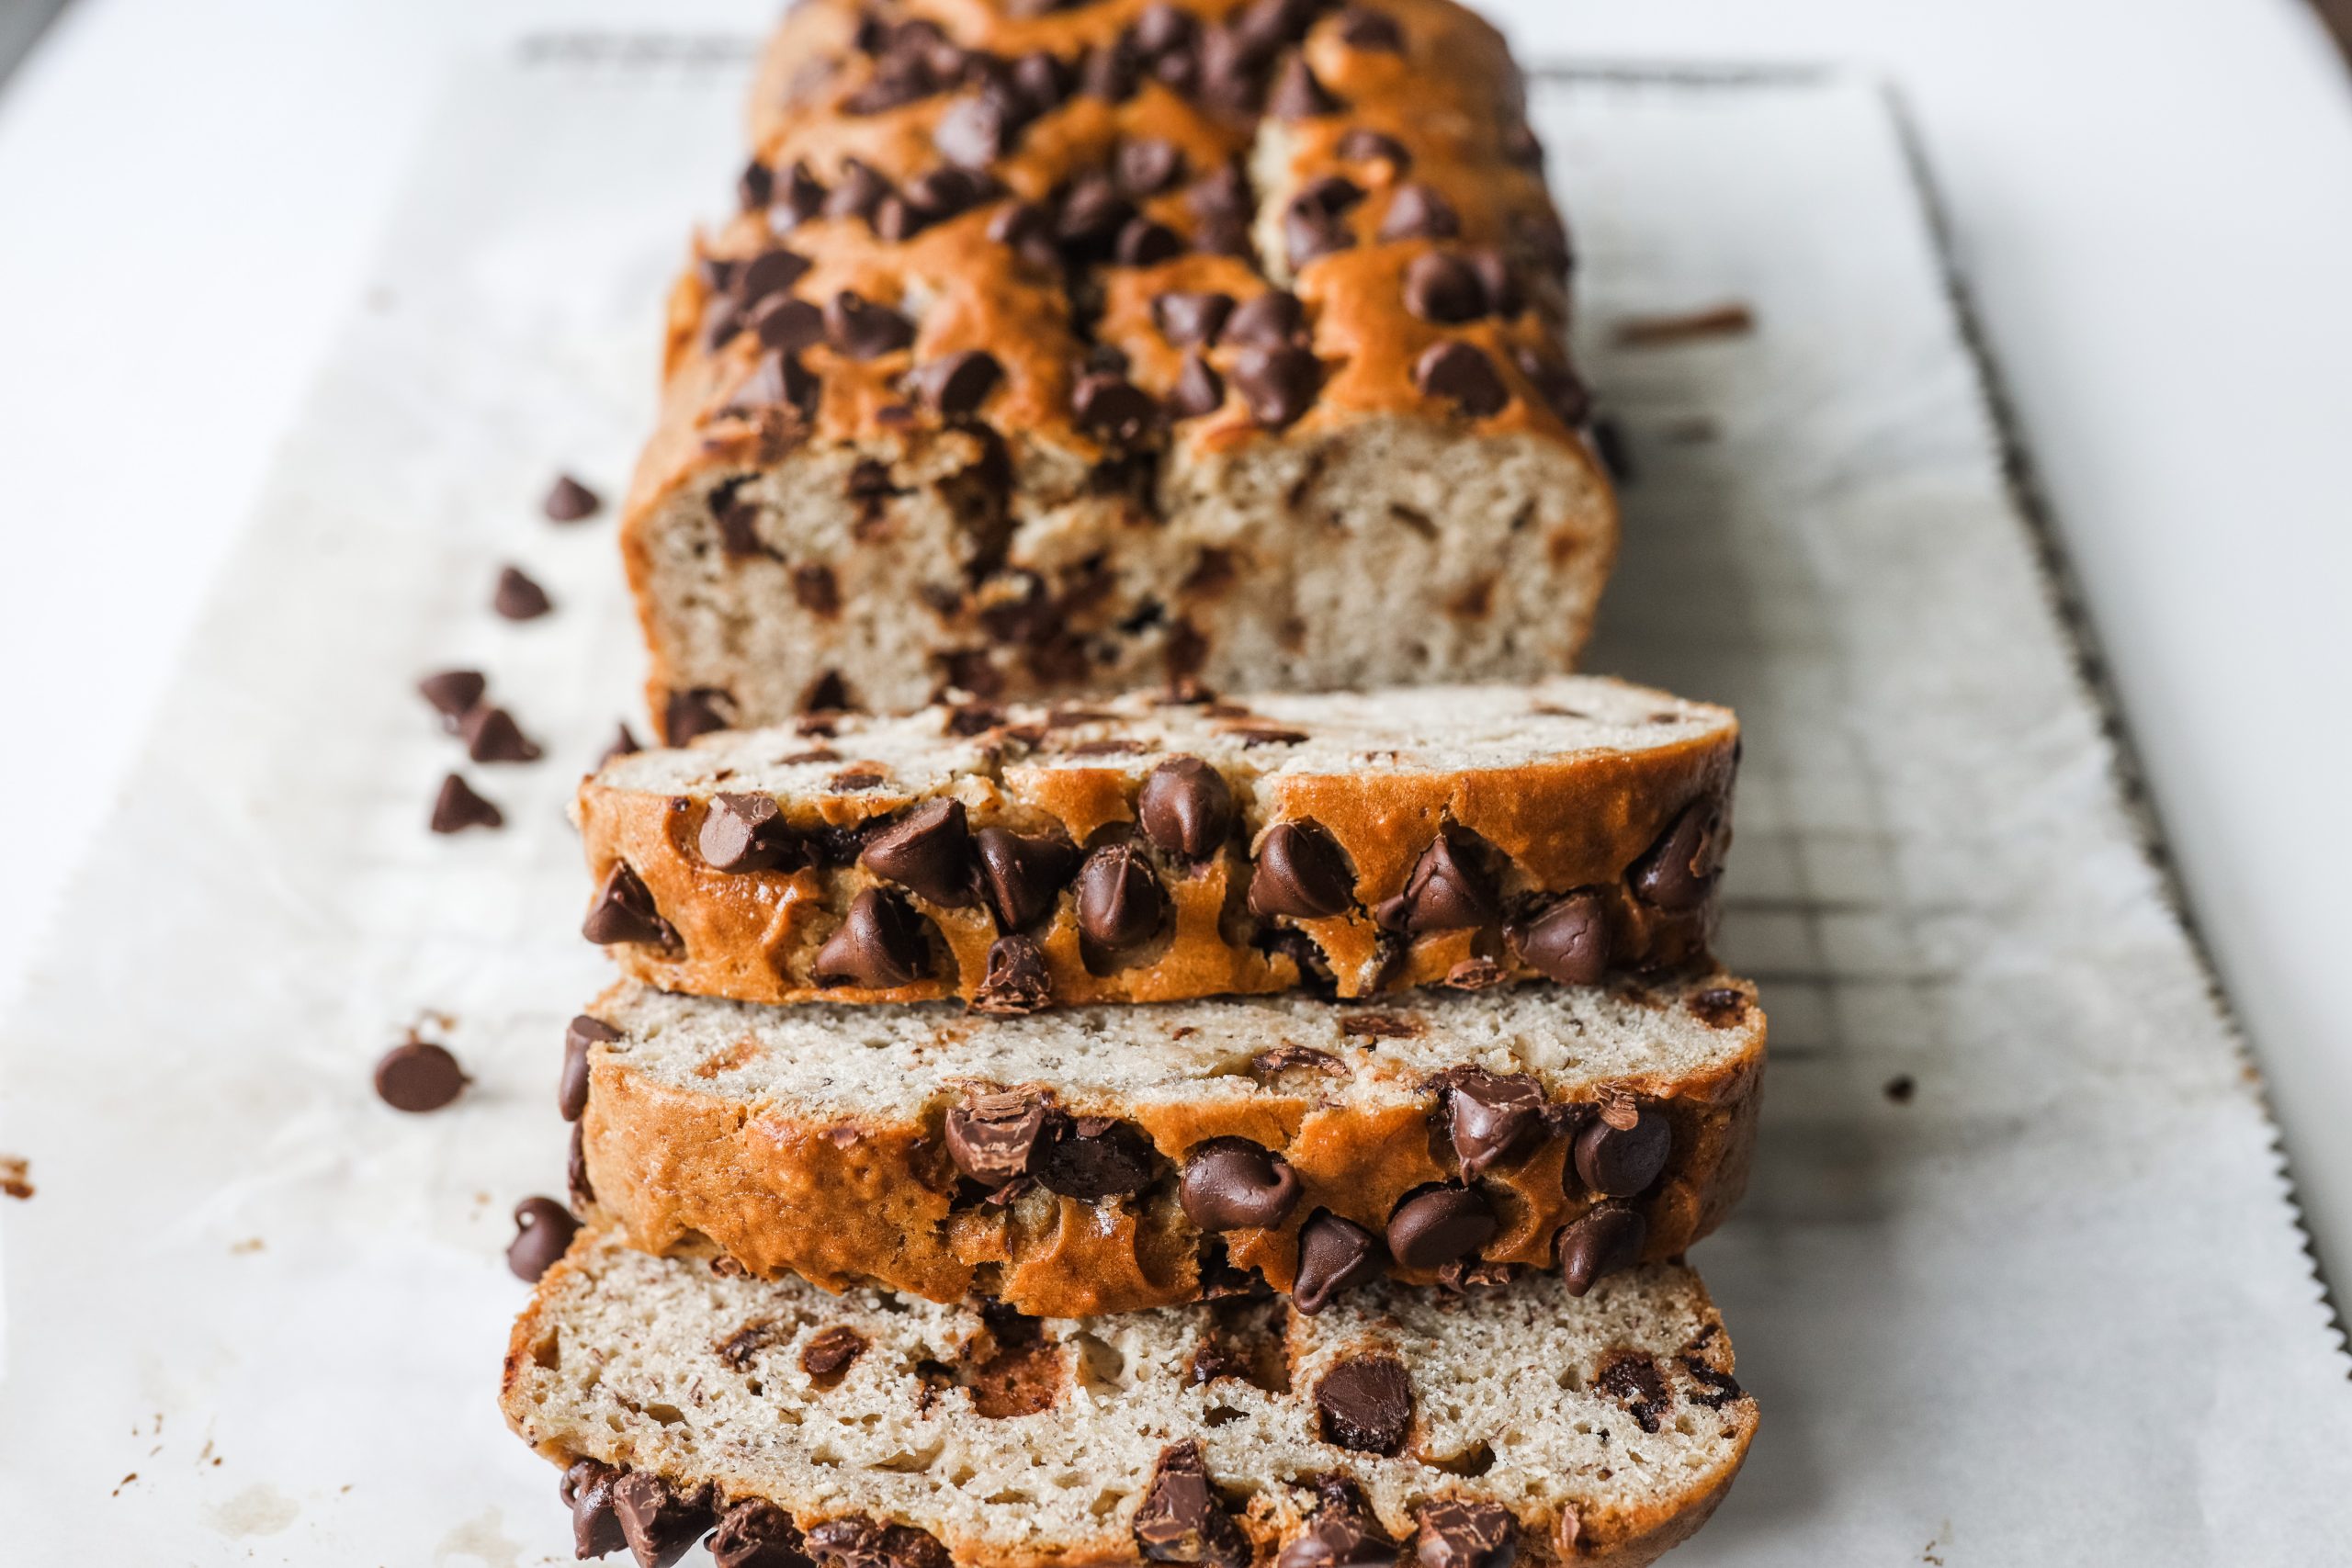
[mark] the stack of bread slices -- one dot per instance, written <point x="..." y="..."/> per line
<point x="1155" y="1023"/>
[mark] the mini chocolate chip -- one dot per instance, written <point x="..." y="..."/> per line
<point x="579" y="1036"/>
<point x="1301" y="872"/>
<point x="1361" y="27"/>
<point x="1600" y="1242"/>
<point x="1446" y="890"/>
<point x="1023" y="875"/>
<point x="755" y="186"/>
<point x="859" y="192"/>
<point x="696" y="712"/>
<point x="1315" y="223"/>
<point x="419" y="1076"/>
<point x="1113" y="408"/>
<point x="458" y="807"/>
<point x="1461" y="373"/>
<point x="1144" y="243"/>
<point x="659" y="1522"/>
<point x="1186" y="318"/>
<point x="947" y="191"/>
<point x="1029" y="233"/>
<point x="956" y="385"/>
<point x="492" y="736"/>
<point x="543" y="1228"/>
<point x="1016" y="980"/>
<point x="587" y="1491"/>
<point x="787" y="324"/>
<point x="1185" y="807"/>
<point x="881" y="944"/>
<point x="569" y="500"/>
<point x="993" y="1136"/>
<point x="1278" y="385"/>
<point x="770" y="273"/>
<point x="1438" y="1224"/>
<point x="1366" y="1405"/>
<point x="1619" y="1161"/>
<point x="1569" y="941"/>
<point x="1121" y="905"/>
<point x="1223" y="193"/>
<point x="1181" y="1520"/>
<point x="802" y="198"/>
<point x="624" y="911"/>
<point x="1233" y="1184"/>
<point x="1091" y="213"/>
<point x="1343" y="1533"/>
<point x="1200" y="390"/>
<point x="862" y="329"/>
<point x="777" y="381"/>
<point x="1417" y="211"/>
<point x="831" y="1350"/>
<point x="897" y="81"/>
<point x="929" y="850"/>
<point x="1042" y="80"/>
<point x="1442" y="287"/>
<point x="1457" y="1534"/>
<point x="746" y="832"/>
<point x="1560" y="387"/>
<point x="1363" y="145"/>
<point x="1145" y="165"/>
<point x="1334" y="1254"/>
<point x="1679" y="872"/>
<point x="756" y="1533"/>
<point x="1297" y="94"/>
<point x="1489" y="1118"/>
<point x="453" y="693"/>
<point x="518" y="598"/>
<point x="1094" y="1157"/>
<point x="1268" y="320"/>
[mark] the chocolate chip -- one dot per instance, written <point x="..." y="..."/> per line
<point x="1461" y="373"/>
<point x="1504" y="297"/>
<point x="928" y="850"/>
<point x="1113" y="408"/>
<point x="1277" y="385"/>
<point x="770" y="273"/>
<point x="1679" y="872"/>
<point x="993" y="1136"/>
<point x="861" y="191"/>
<point x="575" y="1171"/>
<point x="1366" y="1405"/>
<point x="1268" y="320"/>
<point x="830" y="1352"/>
<point x="861" y="1543"/>
<point x="1544" y="238"/>
<point x="1144" y="243"/>
<point x="1489" y="1118"/>
<point x="1296" y="95"/>
<point x="1023" y="875"/>
<point x="1016" y="979"/>
<point x="1091" y="213"/>
<point x="956" y="386"/>
<point x="721" y="319"/>
<point x="777" y="381"/>
<point x="1042" y="80"/>
<point x="756" y="1533"/>
<point x="458" y="807"/>
<point x="694" y="713"/>
<point x="862" y="329"/>
<point x="1560" y="387"/>
<point x="1121" y="905"/>
<point x="1028" y="232"/>
<point x="947" y="191"/>
<point x="1108" y="72"/>
<point x="1145" y="165"/>
<point x="802" y="198"/>
<point x="976" y="131"/>
<point x="787" y="324"/>
<point x="1301" y="872"/>
<point x="569" y="500"/>
<point x="1223" y="193"/>
<point x="881" y="944"/>
<point x="543" y="1228"/>
<point x="453" y="693"/>
<point x="579" y="1036"/>
<point x="419" y="1076"/>
<point x="1446" y="890"/>
<point x="1233" y="1184"/>
<point x="1438" y="1224"/>
<point x="1185" y="807"/>
<point x="1457" y="1534"/>
<point x="1521" y="146"/>
<point x="492" y="736"/>
<point x="1094" y="1157"/>
<point x="746" y="832"/>
<point x="658" y="1521"/>
<point x="587" y="1491"/>
<point x="1442" y="287"/>
<point x="624" y="911"/>
<point x="1362" y="28"/>
<point x="755" y="186"/>
<point x="1181" y="1520"/>
<point x="1343" y="1533"/>
<point x="1187" y="317"/>
<point x="1417" y="211"/>
<point x="1315" y="223"/>
<point x="1199" y="392"/>
<point x="623" y="744"/>
<point x="1623" y="1149"/>
<point x="1363" y="145"/>
<point x="518" y="598"/>
<point x="1601" y="1242"/>
<point x="1569" y="941"/>
<point x="1160" y="28"/>
<point x="1334" y="1254"/>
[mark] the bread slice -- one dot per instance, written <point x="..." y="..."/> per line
<point x="1136" y="849"/>
<point x="1103" y="1159"/>
<point x="1073" y="353"/>
<point x="879" y="1431"/>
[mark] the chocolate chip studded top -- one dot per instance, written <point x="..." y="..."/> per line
<point x="1140" y="849"/>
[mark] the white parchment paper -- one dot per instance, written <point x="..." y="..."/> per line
<point x="2050" y="1308"/>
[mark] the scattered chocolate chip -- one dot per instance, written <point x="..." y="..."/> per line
<point x="1200" y="390"/>
<point x="1223" y="193"/>
<point x="1504" y="297"/>
<point x="1113" y="408"/>
<point x="862" y="329"/>
<point x="1633" y="1378"/>
<point x="881" y="944"/>
<point x="1181" y="1520"/>
<point x="1719" y="1006"/>
<point x="929" y="850"/>
<point x="1016" y="980"/>
<point x="1302" y="873"/>
<point x="624" y="911"/>
<point x="543" y="1228"/>
<point x="947" y="191"/>
<point x="1445" y="288"/>
<point x="1187" y="317"/>
<point x="1600" y="1242"/>
<point x="576" y="1184"/>
<point x="802" y="198"/>
<point x="767" y="274"/>
<point x="1094" y="1157"/>
<point x="1544" y="239"/>
<point x="1679" y="872"/>
<point x="1379" y="1026"/>
<point x="860" y="191"/>
<point x="1417" y="211"/>
<point x="587" y="1491"/>
<point x="816" y="590"/>
<point x="956" y="386"/>
<point x="1623" y="1150"/>
<point x="419" y="1076"/>
<point x="861" y="1543"/>
<point x="1343" y="1533"/>
<point x="756" y="1533"/>
<point x="1121" y="905"/>
<point x="659" y="1522"/>
<point x="1901" y="1089"/>
<point x="1490" y="1118"/>
<point x="579" y="1036"/>
<point x="1315" y="223"/>
<point x="1363" y="145"/>
<point x="491" y="736"/>
<point x="1366" y="1405"/>
<point x="1463" y="373"/>
<point x="1185" y="807"/>
<point x="1042" y="80"/>
<point x="1278" y="385"/>
<point x="694" y="713"/>
<point x="746" y="832"/>
<point x="1091" y="213"/>
<point x="1297" y="94"/>
<point x="993" y="1136"/>
<point x="1233" y="1184"/>
<point x="1362" y="28"/>
<point x="1446" y="890"/>
<point x="1267" y="320"/>
<point x="1145" y="165"/>
<point x="1143" y="243"/>
<point x="518" y="598"/>
<point x="787" y="324"/>
<point x="777" y="381"/>
<point x="1334" y="1254"/>
<point x="1023" y="875"/>
<point x="1569" y="941"/>
<point x="458" y="807"/>
<point x="1438" y="1224"/>
<point x="569" y="500"/>
<point x="755" y="188"/>
<point x="1457" y="1534"/>
<point x="453" y="693"/>
<point x="1108" y="72"/>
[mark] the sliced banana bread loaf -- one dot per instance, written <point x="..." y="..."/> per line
<point x="1137" y="850"/>
<point x="1107" y="1159"/>
<point x="879" y="1431"/>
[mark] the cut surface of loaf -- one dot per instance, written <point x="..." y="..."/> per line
<point x="1106" y="1158"/>
<point x="1081" y="351"/>
<point x="1139" y="850"/>
<point x="880" y="1430"/>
